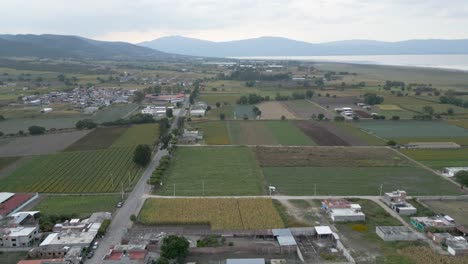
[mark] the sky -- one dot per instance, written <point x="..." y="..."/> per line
<point x="222" y="20"/>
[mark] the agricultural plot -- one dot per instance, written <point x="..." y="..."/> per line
<point x="337" y="102"/>
<point x="438" y="108"/>
<point x="138" y="134"/>
<point x="114" y="112"/>
<point x="414" y="129"/>
<point x="212" y="171"/>
<point x="215" y="112"/>
<point x="7" y="161"/>
<point x="214" y="132"/>
<point x="320" y="134"/>
<point x="212" y="99"/>
<point x="80" y="206"/>
<point x="329" y="156"/>
<point x="305" y="109"/>
<point x="37" y="145"/>
<point x="456" y="209"/>
<point x="361" y="138"/>
<point x="75" y="172"/>
<point x="99" y="138"/>
<point x="439" y="158"/>
<point x="266" y="133"/>
<point x="220" y="214"/>
<point x="275" y="110"/>
<point x="17" y="124"/>
<point x="365" y="180"/>
<point x="244" y="111"/>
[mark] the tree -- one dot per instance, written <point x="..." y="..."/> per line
<point x="169" y="113"/>
<point x="162" y="261"/>
<point x="428" y="110"/>
<point x="85" y="124"/>
<point x="165" y="139"/>
<point x="36" y="130"/>
<point x="133" y="218"/>
<point x="462" y="177"/>
<point x="372" y="99"/>
<point x="138" y="97"/>
<point x="222" y="116"/>
<point x="218" y="104"/>
<point x="395" y="118"/>
<point x="391" y="143"/>
<point x="1" y="134"/>
<point x="142" y="155"/>
<point x="174" y="247"/>
<point x="309" y="93"/>
<point x="61" y="78"/>
<point x="450" y="111"/>
<point x="283" y="117"/>
<point x="321" y="116"/>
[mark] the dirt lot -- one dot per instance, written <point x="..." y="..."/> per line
<point x="37" y="145"/>
<point x="274" y="110"/>
<point x="320" y="135"/>
<point x="328" y="156"/>
<point x="456" y="209"/>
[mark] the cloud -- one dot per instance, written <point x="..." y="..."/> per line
<point x="310" y="20"/>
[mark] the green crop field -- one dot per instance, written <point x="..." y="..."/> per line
<point x="357" y="132"/>
<point x="214" y="133"/>
<point x="113" y="112"/>
<point x="288" y="134"/>
<point x="212" y="99"/>
<point x="214" y="113"/>
<point x="420" y="129"/>
<point x="242" y="111"/>
<point x="80" y="206"/>
<point x="75" y="172"/>
<point x="439" y="158"/>
<point x="7" y="161"/>
<point x="99" y="138"/>
<point x="356" y="180"/>
<point x="138" y="134"/>
<point x="213" y="171"/>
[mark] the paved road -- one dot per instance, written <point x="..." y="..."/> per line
<point x="121" y="220"/>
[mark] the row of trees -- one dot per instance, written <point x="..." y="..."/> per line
<point x="255" y="98"/>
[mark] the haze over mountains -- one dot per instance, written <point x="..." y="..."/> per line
<point x="275" y="46"/>
<point x="58" y="46"/>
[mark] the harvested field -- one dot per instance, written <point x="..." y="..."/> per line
<point x="38" y="145"/>
<point x="320" y="134"/>
<point x="274" y="110"/>
<point x="463" y="141"/>
<point x="197" y="171"/>
<point x="214" y="132"/>
<point x="74" y="172"/>
<point x="305" y="109"/>
<point x="328" y="157"/>
<point x="80" y="206"/>
<point x="357" y="180"/>
<point x="456" y="209"/>
<point x="99" y="138"/>
<point x="425" y="255"/>
<point x="220" y="214"/>
<point x="138" y="134"/>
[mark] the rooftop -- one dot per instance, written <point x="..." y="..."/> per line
<point x="345" y="211"/>
<point x="40" y="261"/>
<point x="323" y="230"/>
<point x="395" y="230"/>
<point x="19" y="231"/>
<point x="246" y="261"/>
<point x="5" y="196"/>
<point x="14" y="202"/>
<point x="284" y="237"/>
<point x="71" y="238"/>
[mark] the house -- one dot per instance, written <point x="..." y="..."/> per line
<point x="438" y="222"/>
<point x="395" y="233"/>
<point x="128" y="254"/>
<point x="19" y="230"/>
<point x="170" y="98"/>
<point x="155" y="110"/>
<point x="14" y="202"/>
<point x="457" y="246"/>
<point x="397" y="201"/>
<point x="452" y="171"/>
<point x="341" y="210"/>
<point x="440" y="238"/>
<point x="197" y="112"/>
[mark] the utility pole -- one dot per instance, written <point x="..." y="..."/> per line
<point x="315" y="189"/>
<point x="203" y="187"/>
<point x="174" y="189"/>
<point x="122" y="192"/>
<point x="381" y="188"/>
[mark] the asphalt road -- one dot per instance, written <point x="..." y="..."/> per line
<point x="121" y="220"/>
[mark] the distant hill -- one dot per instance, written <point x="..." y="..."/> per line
<point x="58" y="46"/>
<point x="274" y="46"/>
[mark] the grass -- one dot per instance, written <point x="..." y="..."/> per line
<point x="12" y="257"/>
<point x="360" y="134"/>
<point x="213" y="171"/>
<point x="439" y="158"/>
<point x="459" y="123"/>
<point x="420" y="129"/>
<point x="113" y="112"/>
<point x="459" y="140"/>
<point x="365" y="180"/>
<point x="99" y="138"/>
<point x="288" y="134"/>
<point x="75" y="172"/>
<point x="7" y="161"/>
<point x="82" y="206"/>
<point x="389" y="107"/>
<point x="214" y="113"/>
<point x="214" y="133"/>
<point x="212" y="99"/>
<point x="138" y="134"/>
<point x="220" y="214"/>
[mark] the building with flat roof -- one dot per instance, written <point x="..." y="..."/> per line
<point x="439" y="222"/>
<point x="42" y="261"/>
<point x="128" y="254"/>
<point x="20" y="236"/>
<point x="395" y="233"/>
<point x="341" y="210"/>
<point x="397" y="201"/>
<point x="69" y="239"/>
<point x="246" y="261"/>
<point x="457" y="246"/>
<point x="13" y="202"/>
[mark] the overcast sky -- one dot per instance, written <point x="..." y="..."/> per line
<point x="309" y="20"/>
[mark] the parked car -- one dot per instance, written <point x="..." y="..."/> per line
<point x="119" y="204"/>
<point x="90" y="254"/>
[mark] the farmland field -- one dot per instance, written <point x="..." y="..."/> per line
<point x="7" y="161"/>
<point x="113" y="112"/>
<point x="320" y="134"/>
<point x="456" y="209"/>
<point x="361" y="137"/>
<point x="220" y="214"/>
<point x="439" y="158"/>
<point x="99" y="138"/>
<point x="356" y="180"/>
<point x="80" y="206"/>
<point x="242" y="111"/>
<point x="420" y="129"/>
<point x="214" y="132"/>
<point x="212" y="99"/>
<point x="328" y="157"/>
<point x="305" y="109"/>
<point x="74" y="172"/>
<point x="215" y="112"/>
<point x="274" y="110"/>
<point x="138" y="134"/>
<point x="213" y="171"/>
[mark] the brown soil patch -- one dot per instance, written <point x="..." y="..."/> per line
<point x="327" y="157"/>
<point x="362" y="114"/>
<point x="319" y="134"/>
<point x="274" y="110"/>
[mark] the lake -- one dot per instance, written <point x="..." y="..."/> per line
<point x="452" y="62"/>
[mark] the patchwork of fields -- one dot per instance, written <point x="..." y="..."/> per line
<point x="212" y="171"/>
<point x="80" y="206"/>
<point x="439" y="158"/>
<point x="220" y="214"/>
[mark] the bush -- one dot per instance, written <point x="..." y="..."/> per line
<point x="462" y="177"/>
<point x="222" y="116"/>
<point x="133" y="218"/>
<point x="142" y="155"/>
<point x="85" y="124"/>
<point x="372" y="99"/>
<point x="103" y="228"/>
<point x="174" y="247"/>
<point x="395" y="118"/>
<point x="339" y="118"/>
<point x="391" y="143"/>
<point x="36" y="130"/>
<point x="359" y="227"/>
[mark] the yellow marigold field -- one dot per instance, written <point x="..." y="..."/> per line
<point x="221" y="214"/>
<point x="424" y="255"/>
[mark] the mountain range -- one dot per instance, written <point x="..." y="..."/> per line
<point x="59" y="46"/>
<point x="275" y="46"/>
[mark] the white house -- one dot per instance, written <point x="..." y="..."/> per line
<point x="197" y="112"/>
<point x="451" y="171"/>
<point x="20" y="236"/>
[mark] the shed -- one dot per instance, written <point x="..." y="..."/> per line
<point x="323" y="232"/>
<point x="284" y="237"/>
<point x="395" y="233"/>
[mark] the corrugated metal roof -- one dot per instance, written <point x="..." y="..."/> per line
<point x="5" y="196"/>
<point x="246" y="261"/>
<point x="286" y="241"/>
<point x="281" y="232"/>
